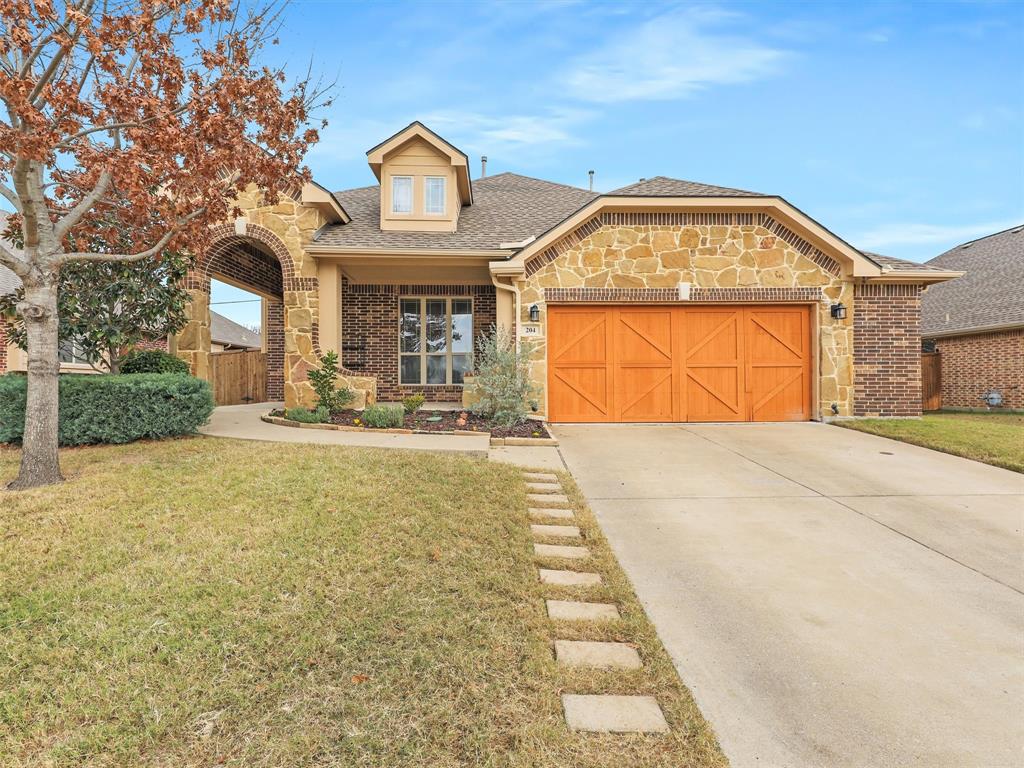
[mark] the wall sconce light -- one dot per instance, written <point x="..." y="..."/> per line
<point x="534" y="313"/>
<point x="838" y="311"/>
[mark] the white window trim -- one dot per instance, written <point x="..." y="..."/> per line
<point x="444" y="196"/>
<point x="449" y="353"/>
<point x="412" y="195"/>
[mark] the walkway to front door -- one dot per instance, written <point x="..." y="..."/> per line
<point x="673" y="363"/>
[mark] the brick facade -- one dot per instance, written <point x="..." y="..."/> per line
<point x="369" y="320"/>
<point x="887" y="350"/>
<point x="3" y="346"/>
<point x="273" y="335"/>
<point x="975" y="364"/>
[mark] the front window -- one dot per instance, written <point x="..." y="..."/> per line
<point x="433" y="194"/>
<point x="435" y="340"/>
<point x="71" y="351"/>
<point x="401" y="194"/>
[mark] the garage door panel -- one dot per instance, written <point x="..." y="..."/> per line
<point x="679" y="363"/>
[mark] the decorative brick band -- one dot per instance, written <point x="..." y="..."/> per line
<point x="889" y="290"/>
<point x="750" y="295"/>
<point x="302" y="284"/>
<point x="367" y="289"/>
<point x="680" y="218"/>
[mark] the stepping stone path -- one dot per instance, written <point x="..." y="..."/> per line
<point x="558" y="531"/>
<point x="579" y="653"/>
<point x="572" y="610"/>
<point x="557" y="550"/>
<point x="613" y="714"/>
<point x="569" y="578"/>
<point x="597" y="713"/>
<point x="562" y="514"/>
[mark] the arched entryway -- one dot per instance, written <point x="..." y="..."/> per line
<point x="253" y="258"/>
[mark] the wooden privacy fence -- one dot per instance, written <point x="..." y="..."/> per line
<point x="239" y="377"/>
<point x="931" y="381"/>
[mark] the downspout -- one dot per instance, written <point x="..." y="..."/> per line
<point x="515" y="298"/>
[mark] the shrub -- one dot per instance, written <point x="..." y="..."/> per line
<point x="502" y="378"/>
<point x="412" y="403"/>
<point x="318" y="415"/>
<point x="383" y="416"/>
<point x="153" y="361"/>
<point x="323" y="381"/>
<point x="113" y="409"/>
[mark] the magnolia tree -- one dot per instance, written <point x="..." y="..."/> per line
<point x="148" y="116"/>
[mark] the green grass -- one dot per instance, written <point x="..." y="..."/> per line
<point x="205" y="602"/>
<point x="994" y="438"/>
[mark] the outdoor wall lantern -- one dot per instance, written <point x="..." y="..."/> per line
<point x="534" y="313"/>
<point x="838" y="311"/>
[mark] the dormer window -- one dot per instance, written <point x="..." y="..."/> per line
<point x="434" y="188"/>
<point x="401" y="194"/>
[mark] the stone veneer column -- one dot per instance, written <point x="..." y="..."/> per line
<point x="192" y="343"/>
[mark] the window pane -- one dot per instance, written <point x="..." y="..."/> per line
<point x="410" y="369"/>
<point x="437" y="325"/>
<point x="410" y="328"/>
<point x="436" y="369"/>
<point x="434" y="194"/>
<point x="462" y="325"/>
<point x="461" y="365"/>
<point x="401" y="194"/>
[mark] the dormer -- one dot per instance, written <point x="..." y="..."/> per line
<point x="424" y="181"/>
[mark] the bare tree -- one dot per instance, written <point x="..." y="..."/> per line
<point x="141" y="115"/>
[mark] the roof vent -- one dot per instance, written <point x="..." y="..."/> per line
<point x="643" y="179"/>
<point x="483" y="166"/>
<point x="1017" y="231"/>
<point x="591" y="175"/>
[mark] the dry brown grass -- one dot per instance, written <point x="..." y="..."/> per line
<point x="209" y="602"/>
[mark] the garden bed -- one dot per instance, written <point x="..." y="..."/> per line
<point x="529" y="432"/>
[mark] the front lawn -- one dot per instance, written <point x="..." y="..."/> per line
<point x="994" y="438"/>
<point x="206" y="602"/>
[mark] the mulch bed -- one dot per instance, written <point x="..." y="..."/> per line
<point x="449" y="421"/>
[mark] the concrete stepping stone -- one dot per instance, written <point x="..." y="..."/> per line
<point x="569" y="578"/>
<point x="559" y="531"/>
<point x="563" y="514"/>
<point x="558" y="550"/>
<point x="543" y="488"/>
<point x="548" y="498"/>
<point x="613" y="714"/>
<point x="571" y="610"/>
<point x="578" y="653"/>
<point x="540" y="477"/>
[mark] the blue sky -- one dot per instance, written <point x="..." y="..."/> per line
<point x="898" y="126"/>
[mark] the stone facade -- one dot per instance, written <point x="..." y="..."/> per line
<point x="370" y="326"/>
<point x="887" y="350"/>
<point x="726" y="257"/>
<point x="283" y="231"/>
<point x="977" y="363"/>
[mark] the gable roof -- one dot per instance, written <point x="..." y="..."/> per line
<point x="987" y="296"/>
<point x="663" y="186"/>
<point x="892" y="264"/>
<point x="508" y="208"/>
<point x="228" y="332"/>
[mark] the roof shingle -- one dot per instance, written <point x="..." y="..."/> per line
<point x="987" y="296"/>
<point x="506" y="208"/>
<point x="663" y="186"/>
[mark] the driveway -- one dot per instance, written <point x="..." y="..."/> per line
<point x="831" y="598"/>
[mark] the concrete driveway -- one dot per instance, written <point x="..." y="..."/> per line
<point x="830" y="597"/>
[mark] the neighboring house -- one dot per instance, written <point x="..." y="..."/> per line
<point x="665" y="300"/>
<point x="227" y="336"/>
<point x="976" y="322"/>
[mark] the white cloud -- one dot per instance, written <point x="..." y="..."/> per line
<point x="890" y="236"/>
<point x="491" y="132"/>
<point x="881" y="35"/>
<point x="671" y="56"/>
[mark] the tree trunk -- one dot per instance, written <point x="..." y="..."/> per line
<point x="39" y="462"/>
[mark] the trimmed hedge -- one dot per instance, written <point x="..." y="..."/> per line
<point x="113" y="409"/>
<point x="153" y="361"/>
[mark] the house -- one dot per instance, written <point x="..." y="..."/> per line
<point x="228" y="336"/>
<point x="665" y="300"/>
<point x="976" y="323"/>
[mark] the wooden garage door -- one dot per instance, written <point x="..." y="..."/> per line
<point x="679" y="363"/>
